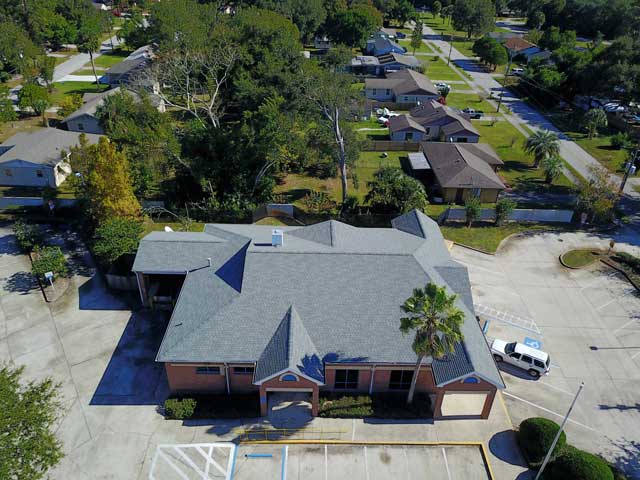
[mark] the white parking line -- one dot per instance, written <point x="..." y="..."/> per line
<point x="446" y="463"/>
<point x="326" y="464"/>
<point x="406" y="462"/>
<point x="366" y="464"/>
<point x="556" y="388"/>
<point x="547" y="410"/>
<point x="608" y="303"/>
<point x="633" y="357"/>
<point x="353" y="430"/>
<point x="625" y="325"/>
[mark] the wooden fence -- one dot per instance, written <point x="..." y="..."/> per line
<point x="391" y="146"/>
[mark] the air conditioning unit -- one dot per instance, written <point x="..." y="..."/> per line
<point x="277" y="237"/>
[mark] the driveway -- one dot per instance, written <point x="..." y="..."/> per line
<point x="589" y="322"/>
<point x="76" y="62"/>
<point x="102" y="349"/>
<point x="522" y="113"/>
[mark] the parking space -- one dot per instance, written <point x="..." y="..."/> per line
<point x="359" y="462"/>
<point x="587" y="320"/>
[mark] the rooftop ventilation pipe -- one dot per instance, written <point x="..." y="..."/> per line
<point x="209" y="261"/>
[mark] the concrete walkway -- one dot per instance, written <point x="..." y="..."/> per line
<point x="522" y="113"/>
<point x="76" y="62"/>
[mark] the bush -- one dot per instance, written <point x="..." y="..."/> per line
<point x="116" y="237"/>
<point x="620" y="140"/>
<point x="378" y="405"/>
<point x="216" y="406"/>
<point x="28" y="236"/>
<point x="472" y="209"/>
<point x="318" y="202"/>
<point x="348" y="406"/>
<point x="628" y="260"/>
<point x="49" y="259"/>
<point x="576" y="464"/>
<point x="535" y="437"/>
<point x="179" y="408"/>
<point x="504" y="207"/>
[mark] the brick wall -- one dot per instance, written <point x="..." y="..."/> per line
<point x="183" y="378"/>
<point x="381" y="379"/>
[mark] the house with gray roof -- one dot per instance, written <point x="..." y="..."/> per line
<point x="84" y="119"/>
<point x="404" y="86"/>
<point x="382" y="46"/>
<point x="310" y="309"/>
<point x="461" y="170"/>
<point x="127" y="70"/>
<point x="34" y="159"/>
<point x="432" y="121"/>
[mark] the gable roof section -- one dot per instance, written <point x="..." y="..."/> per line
<point x="330" y="294"/>
<point x="91" y="105"/>
<point x="290" y="349"/>
<point x="456" y="166"/>
<point x="402" y="59"/>
<point x="404" y="122"/>
<point x="517" y="44"/>
<point x="412" y="82"/>
<point x="41" y="147"/>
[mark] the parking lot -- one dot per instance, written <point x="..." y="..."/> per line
<point x="587" y="320"/>
<point x="323" y="461"/>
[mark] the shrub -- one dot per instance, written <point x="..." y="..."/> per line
<point x="49" y="259"/>
<point x="535" y="437"/>
<point x="576" y="464"/>
<point x="378" y="405"/>
<point x="28" y="236"/>
<point x="348" y="406"/>
<point x="69" y="104"/>
<point x="318" y="202"/>
<point x="179" y="408"/>
<point x="115" y="238"/>
<point x="629" y="260"/>
<point x="620" y="140"/>
<point x="472" y="208"/>
<point x="504" y="207"/>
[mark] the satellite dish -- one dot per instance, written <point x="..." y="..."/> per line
<point x="168" y="229"/>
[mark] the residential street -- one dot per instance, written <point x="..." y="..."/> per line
<point x="522" y="113"/>
<point x="77" y="61"/>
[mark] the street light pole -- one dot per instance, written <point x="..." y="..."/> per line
<point x="627" y="171"/>
<point x="506" y="75"/>
<point x="555" y="440"/>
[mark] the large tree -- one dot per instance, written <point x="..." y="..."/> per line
<point x="102" y="181"/>
<point x="30" y="411"/>
<point x="354" y="25"/>
<point x="36" y="98"/>
<point x="89" y="39"/>
<point x="542" y="144"/>
<point x="436" y="321"/>
<point x="597" y="196"/>
<point x="393" y="191"/>
<point x="7" y="113"/>
<point x="476" y="17"/>
<point x="594" y="120"/>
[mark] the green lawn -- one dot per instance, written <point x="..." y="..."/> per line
<point x="61" y="89"/>
<point x="581" y="257"/>
<point x="517" y="172"/>
<point x="437" y="69"/>
<point x="109" y="59"/>
<point x="157" y="226"/>
<point x="296" y="186"/>
<point x="464" y="46"/>
<point x="473" y="100"/>
<point x="64" y="191"/>
<point x="88" y="71"/>
<point x="424" y="48"/>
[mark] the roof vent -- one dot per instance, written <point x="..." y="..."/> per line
<point x="277" y="237"/>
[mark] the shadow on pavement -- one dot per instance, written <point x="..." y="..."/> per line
<point x="503" y="445"/>
<point x="21" y="282"/>
<point x="132" y="376"/>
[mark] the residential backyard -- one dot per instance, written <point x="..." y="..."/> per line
<point x="62" y="89"/>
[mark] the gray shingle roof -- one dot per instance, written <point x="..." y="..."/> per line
<point x="434" y="113"/>
<point x="462" y="165"/>
<point x="91" y="105"/>
<point x="404" y="122"/>
<point x="404" y="82"/>
<point x="43" y="147"/>
<point x="330" y="294"/>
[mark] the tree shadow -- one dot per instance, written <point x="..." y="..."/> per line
<point x="21" y="282"/>
<point x="620" y="407"/>
<point x="504" y="446"/>
<point x="133" y="377"/>
<point x="626" y="458"/>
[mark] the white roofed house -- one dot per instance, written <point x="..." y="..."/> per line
<point x="35" y="159"/>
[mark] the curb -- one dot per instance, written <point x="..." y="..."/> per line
<point x="618" y="269"/>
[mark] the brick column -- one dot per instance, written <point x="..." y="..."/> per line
<point x="315" y="401"/>
<point x="437" y="408"/>
<point x="264" y="407"/>
<point x="488" y="403"/>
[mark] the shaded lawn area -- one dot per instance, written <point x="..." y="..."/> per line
<point x="297" y="185"/>
<point x="464" y="46"/>
<point x="517" y="171"/>
<point x="61" y="89"/>
<point x="424" y="48"/>
<point x="437" y="69"/>
<point x="64" y="191"/>
<point x="371" y="123"/>
<point x="487" y="236"/>
<point x="473" y="100"/>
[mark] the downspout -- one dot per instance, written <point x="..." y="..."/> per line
<point x="226" y="377"/>
<point x="373" y="374"/>
<point x="140" y="288"/>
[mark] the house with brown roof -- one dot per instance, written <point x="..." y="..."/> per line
<point x="519" y="47"/>
<point x="459" y="170"/>
<point x="405" y="86"/>
<point x="432" y="121"/>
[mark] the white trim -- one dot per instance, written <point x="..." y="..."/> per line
<point x="304" y="390"/>
<point x="472" y="374"/>
<point x="281" y="372"/>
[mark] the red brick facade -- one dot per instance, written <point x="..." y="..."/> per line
<point x="276" y="384"/>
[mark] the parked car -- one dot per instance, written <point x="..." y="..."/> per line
<point x="384" y="121"/>
<point x="442" y="85"/>
<point x="516" y="71"/>
<point x="474" y="114"/>
<point x="534" y="361"/>
<point x="401" y="35"/>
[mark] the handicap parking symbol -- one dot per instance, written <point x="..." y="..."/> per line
<point x="533" y="343"/>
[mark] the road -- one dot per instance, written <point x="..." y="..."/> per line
<point x="522" y="113"/>
<point x="76" y="62"/>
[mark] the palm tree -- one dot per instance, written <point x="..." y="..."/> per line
<point x="436" y="321"/>
<point x="542" y="144"/>
<point x="552" y="167"/>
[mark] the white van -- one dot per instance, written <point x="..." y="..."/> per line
<point x="534" y="361"/>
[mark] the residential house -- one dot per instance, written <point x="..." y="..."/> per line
<point x="34" y="159"/>
<point x="432" y="121"/>
<point x="127" y="70"/>
<point x="392" y="62"/>
<point x="519" y="48"/>
<point x="84" y="119"/>
<point x="382" y="46"/>
<point x="404" y="86"/>
<point x="384" y="32"/>
<point x="311" y="310"/>
<point x="460" y="170"/>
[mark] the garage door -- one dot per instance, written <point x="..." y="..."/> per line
<point x="459" y="404"/>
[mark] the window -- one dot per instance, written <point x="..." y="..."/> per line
<point x="8" y="172"/>
<point x="346" y="380"/>
<point x="461" y="139"/>
<point x="375" y="91"/>
<point x="39" y="173"/>
<point x="289" y="377"/>
<point x="471" y="380"/>
<point x="526" y="359"/>
<point x="207" y="370"/>
<point x="475" y="192"/>
<point x="388" y="92"/>
<point x="405" y="98"/>
<point x="408" y="136"/>
<point x="538" y="363"/>
<point x="243" y="370"/>
<point x="80" y="126"/>
<point x="400" y="379"/>
<point x="515" y="356"/>
<point x="510" y="347"/>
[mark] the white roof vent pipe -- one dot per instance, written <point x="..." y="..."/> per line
<point x="277" y="237"/>
<point x="209" y="261"/>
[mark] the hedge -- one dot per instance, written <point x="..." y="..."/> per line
<point x="575" y="464"/>
<point x="179" y="408"/>
<point x="535" y="436"/>
<point x="378" y="405"/>
<point x="214" y="406"/>
<point x="28" y="236"/>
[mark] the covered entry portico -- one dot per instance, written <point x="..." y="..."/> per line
<point x="289" y="388"/>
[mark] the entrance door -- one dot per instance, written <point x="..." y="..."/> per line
<point x="289" y="409"/>
<point x="459" y="195"/>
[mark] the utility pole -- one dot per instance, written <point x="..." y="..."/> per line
<point x="506" y="75"/>
<point x="555" y="440"/>
<point x="629" y="167"/>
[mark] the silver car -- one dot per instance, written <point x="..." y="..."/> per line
<point x="534" y="361"/>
